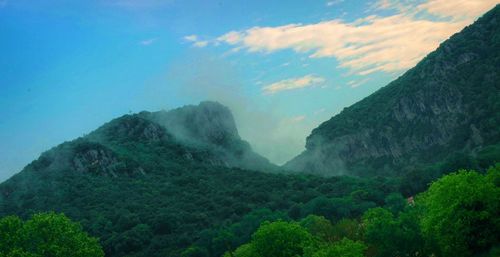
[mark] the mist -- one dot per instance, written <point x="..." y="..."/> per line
<point x="272" y="134"/>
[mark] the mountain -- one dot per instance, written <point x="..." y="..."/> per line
<point x="204" y="133"/>
<point x="211" y="125"/>
<point x="158" y="183"/>
<point x="445" y="109"/>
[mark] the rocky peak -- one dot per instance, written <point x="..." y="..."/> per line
<point x="209" y="123"/>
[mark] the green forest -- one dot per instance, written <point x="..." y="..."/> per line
<point x="458" y="215"/>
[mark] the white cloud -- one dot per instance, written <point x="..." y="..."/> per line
<point x="357" y="83"/>
<point x="194" y="39"/>
<point x="191" y="38"/>
<point x="334" y="2"/>
<point x="147" y="42"/>
<point x="458" y="9"/>
<point x="398" y="5"/>
<point x="200" y="43"/>
<point x="232" y="37"/>
<point x="370" y="44"/>
<point x="291" y="84"/>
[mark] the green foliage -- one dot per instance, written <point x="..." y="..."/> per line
<point x="281" y="239"/>
<point x="319" y="227"/>
<point x="462" y="213"/>
<point x="343" y="248"/>
<point x="46" y="234"/>
<point x="314" y="236"/>
<point x="176" y="202"/>
<point x="395" y="202"/>
<point x="194" y="251"/>
<point x="246" y="250"/>
<point x="348" y="228"/>
<point x="381" y="228"/>
<point x="457" y="216"/>
<point x="390" y="235"/>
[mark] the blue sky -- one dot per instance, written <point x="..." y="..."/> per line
<point x="67" y="67"/>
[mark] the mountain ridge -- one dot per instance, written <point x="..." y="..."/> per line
<point x="447" y="101"/>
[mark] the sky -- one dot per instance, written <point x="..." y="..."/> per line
<point x="283" y="67"/>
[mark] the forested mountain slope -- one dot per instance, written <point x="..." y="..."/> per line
<point x="206" y="132"/>
<point x="445" y="108"/>
<point x="154" y="184"/>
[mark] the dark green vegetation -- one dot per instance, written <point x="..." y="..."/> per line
<point x="47" y="234"/>
<point x="144" y="191"/>
<point x="183" y="183"/>
<point x="458" y="216"/>
<point x="445" y="109"/>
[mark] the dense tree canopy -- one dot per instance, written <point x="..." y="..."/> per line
<point x="178" y="203"/>
<point x="314" y="236"/>
<point x="344" y="248"/>
<point x="462" y="212"/>
<point x="457" y="216"/>
<point x="46" y="234"/>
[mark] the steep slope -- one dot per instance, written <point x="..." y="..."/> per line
<point x="446" y="106"/>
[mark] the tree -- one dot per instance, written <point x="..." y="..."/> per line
<point x="10" y="235"/>
<point x="46" y="234"/>
<point x="408" y="238"/>
<point x="343" y="248"/>
<point x="246" y="250"/>
<point x="380" y="228"/>
<point x="461" y="213"/>
<point x="390" y="235"/>
<point x="348" y="228"/>
<point x="134" y="239"/>
<point x="319" y="227"/>
<point x="194" y="251"/>
<point x="281" y="239"/>
<point x="395" y="202"/>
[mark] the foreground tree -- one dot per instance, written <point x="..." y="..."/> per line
<point x="281" y="239"/>
<point x="380" y="231"/>
<point x="461" y="213"/>
<point x="46" y="234"/>
<point x="390" y="235"/>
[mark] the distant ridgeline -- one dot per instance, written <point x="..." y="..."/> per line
<point x="444" y="110"/>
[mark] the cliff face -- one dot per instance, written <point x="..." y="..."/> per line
<point x="206" y="123"/>
<point x="448" y="103"/>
